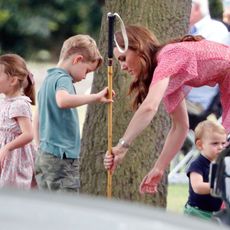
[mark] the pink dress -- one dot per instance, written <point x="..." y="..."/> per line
<point x="18" y="167"/>
<point x="194" y="64"/>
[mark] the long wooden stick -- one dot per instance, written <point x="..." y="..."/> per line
<point x="110" y="128"/>
<point x="111" y="18"/>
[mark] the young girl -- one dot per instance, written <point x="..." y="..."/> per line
<point x="16" y="149"/>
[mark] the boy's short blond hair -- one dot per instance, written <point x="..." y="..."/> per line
<point x="210" y="127"/>
<point x="81" y="44"/>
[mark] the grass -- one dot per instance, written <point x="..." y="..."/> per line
<point x="177" y="197"/>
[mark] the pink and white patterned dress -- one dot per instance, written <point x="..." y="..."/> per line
<point x="18" y="167"/>
<point x="194" y="64"/>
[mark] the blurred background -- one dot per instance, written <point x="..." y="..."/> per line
<point x="35" y="29"/>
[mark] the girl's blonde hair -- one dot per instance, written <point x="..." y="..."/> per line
<point x="208" y="126"/>
<point x="84" y="45"/>
<point x="14" y="65"/>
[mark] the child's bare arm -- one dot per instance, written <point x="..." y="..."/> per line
<point x="36" y="128"/>
<point x="65" y="100"/>
<point x="198" y="185"/>
<point x="24" y="138"/>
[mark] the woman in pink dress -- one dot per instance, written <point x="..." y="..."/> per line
<point x="167" y="72"/>
<point x="16" y="149"/>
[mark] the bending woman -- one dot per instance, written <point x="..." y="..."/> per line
<point x="167" y="72"/>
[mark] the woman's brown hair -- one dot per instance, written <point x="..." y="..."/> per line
<point x="14" y="65"/>
<point x="145" y="44"/>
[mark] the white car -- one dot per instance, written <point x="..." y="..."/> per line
<point x="54" y="211"/>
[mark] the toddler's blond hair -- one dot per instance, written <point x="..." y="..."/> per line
<point x="208" y="126"/>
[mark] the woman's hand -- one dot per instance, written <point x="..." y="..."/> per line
<point x="151" y="180"/>
<point x="112" y="160"/>
<point x="173" y="143"/>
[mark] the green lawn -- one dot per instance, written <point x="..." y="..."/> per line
<point x="177" y="197"/>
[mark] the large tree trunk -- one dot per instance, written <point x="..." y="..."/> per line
<point x="168" y="19"/>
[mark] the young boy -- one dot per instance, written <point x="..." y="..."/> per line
<point x="210" y="139"/>
<point x="56" y="121"/>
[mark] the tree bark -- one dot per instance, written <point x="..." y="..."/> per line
<point x="168" y="20"/>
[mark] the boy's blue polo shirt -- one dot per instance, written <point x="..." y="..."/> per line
<point x="59" y="130"/>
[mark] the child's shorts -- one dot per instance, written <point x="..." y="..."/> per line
<point x="194" y="211"/>
<point x="57" y="174"/>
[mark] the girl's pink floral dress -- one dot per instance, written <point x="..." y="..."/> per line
<point x="18" y="167"/>
<point x="194" y="64"/>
